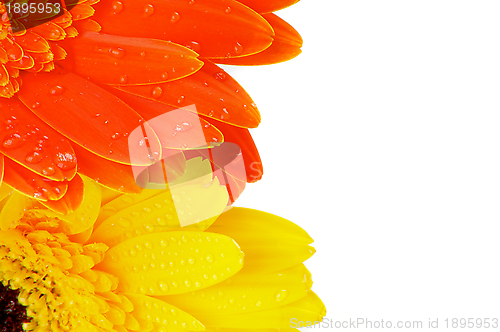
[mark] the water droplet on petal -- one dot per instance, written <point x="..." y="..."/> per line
<point x="48" y="171"/>
<point x="183" y="127"/>
<point x="175" y="17"/>
<point x="157" y="92"/>
<point x="117" y="52"/>
<point x="117" y="7"/>
<point x="228" y="10"/>
<point x="238" y="49"/>
<point x="281" y="295"/>
<point x="148" y="10"/>
<point x="55" y="34"/>
<point x="209" y="258"/>
<point x="13" y="141"/>
<point x="65" y="161"/>
<point x="124" y="79"/>
<point x="193" y="45"/>
<point x="56" y="90"/>
<point x="34" y="158"/>
<point x="220" y="76"/>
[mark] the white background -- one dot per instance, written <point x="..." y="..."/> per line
<point x="382" y="140"/>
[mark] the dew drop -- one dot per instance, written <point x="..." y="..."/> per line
<point x="118" y="53"/>
<point x="209" y="258"/>
<point x="162" y="286"/>
<point x="117" y="7"/>
<point x="55" y="34"/>
<point x="157" y="92"/>
<point x="228" y="10"/>
<point x="34" y="158"/>
<point x="238" y="49"/>
<point x="65" y="161"/>
<point x="48" y="171"/>
<point x="124" y="79"/>
<point x="164" y="76"/>
<point x="181" y="100"/>
<point x="175" y="17"/>
<point x="281" y="295"/>
<point x="195" y="46"/>
<point x="220" y="76"/>
<point x="13" y="141"/>
<point x="148" y="10"/>
<point x="56" y="90"/>
<point x="183" y="127"/>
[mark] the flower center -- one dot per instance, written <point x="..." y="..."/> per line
<point x="12" y="313"/>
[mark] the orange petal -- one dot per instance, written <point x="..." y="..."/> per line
<point x="13" y="50"/>
<point x="251" y="157"/>
<point x="8" y="91"/>
<point x="267" y="6"/>
<point x="87" y="25"/>
<point x="212" y="28"/>
<point x="32" y="42"/>
<point x="173" y="129"/>
<point x="108" y="59"/>
<point x="4" y="76"/>
<point x="82" y="11"/>
<point x="32" y="184"/>
<point x="26" y="62"/>
<point x="213" y="92"/>
<point x="112" y="175"/>
<point x="71" y="200"/>
<point x="86" y="114"/>
<point x="286" y="46"/>
<point x="50" y="31"/>
<point x="30" y="142"/>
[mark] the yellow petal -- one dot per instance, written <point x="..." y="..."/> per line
<point x="172" y="262"/>
<point x="157" y="311"/>
<point x="245" y="293"/>
<point x="85" y="216"/>
<point x="270" y="243"/>
<point x="163" y="212"/>
<point x="310" y="308"/>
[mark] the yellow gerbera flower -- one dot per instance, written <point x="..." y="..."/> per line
<point x="123" y="262"/>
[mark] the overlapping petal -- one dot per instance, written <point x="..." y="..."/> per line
<point x="212" y="28"/>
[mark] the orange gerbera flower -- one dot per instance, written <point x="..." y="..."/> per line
<point x="76" y="85"/>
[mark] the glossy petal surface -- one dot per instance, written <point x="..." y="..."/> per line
<point x="32" y="184"/>
<point x="213" y="91"/>
<point x="212" y="28"/>
<point x="286" y="46"/>
<point x="274" y="251"/>
<point x="108" y="59"/>
<point x="192" y="258"/>
<point x="85" y="113"/>
<point x="267" y="6"/>
<point x="30" y="142"/>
